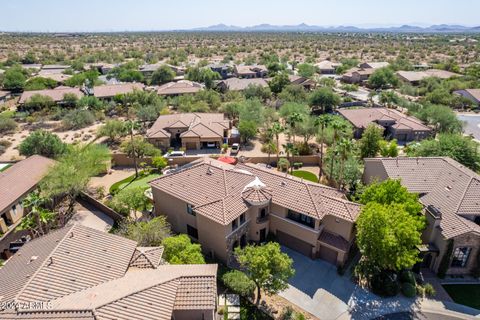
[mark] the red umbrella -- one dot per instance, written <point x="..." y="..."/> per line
<point x="229" y="160"/>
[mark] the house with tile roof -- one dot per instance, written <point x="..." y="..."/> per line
<point x="179" y="88"/>
<point x="192" y="131"/>
<point x="57" y="94"/>
<point x="224" y="206"/>
<point x="396" y="124"/>
<point x="15" y="184"/>
<point x="450" y="194"/>
<point x="470" y="94"/>
<point x="81" y="273"/>
<point x="254" y="71"/>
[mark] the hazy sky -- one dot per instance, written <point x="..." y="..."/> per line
<point x="120" y="15"/>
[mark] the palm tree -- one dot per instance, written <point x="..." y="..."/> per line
<point x="338" y="127"/>
<point x="275" y="130"/>
<point x="290" y="149"/>
<point x="132" y="125"/>
<point x="344" y="149"/>
<point x="39" y="217"/>
<point x="269" y="147"/>
<point x="323" y="121"/>
<point x="292" y="120"/>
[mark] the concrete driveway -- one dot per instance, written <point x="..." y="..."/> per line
<point x="317" y="288"/>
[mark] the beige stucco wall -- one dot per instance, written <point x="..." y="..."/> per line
<point x="296" y="230"/>
<point x="212" y="237"/>
<point x="193" y="314"/>
<point x="162" y="143"/>
<point x="339" y="226"/>
<point x="373" y="171"/>
<point x="174" y="209"/>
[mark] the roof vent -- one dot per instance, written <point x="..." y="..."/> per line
<point x="209" y="171"/>
<point x="283" y="183"/>
<point x="448" y="188"/>
<point x="33" y="258"/>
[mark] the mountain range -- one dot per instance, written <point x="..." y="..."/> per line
<point x="441" y="28"/>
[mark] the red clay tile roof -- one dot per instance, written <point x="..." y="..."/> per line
<point x="442" y="182"/>
<point x="56" y="94"/>
<point x="203" y="125"/>
<point x="20" y="178"/>
<point x="215" y="190"/>
<point x="362" y="117"/>
<point x="111" y="90"/>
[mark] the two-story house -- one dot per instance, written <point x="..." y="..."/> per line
<point x="450" y="194"/>
<point x="16" y="183"/>
<point x="223" y="206"/>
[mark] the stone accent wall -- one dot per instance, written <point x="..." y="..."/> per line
<point x="466" y="240"/>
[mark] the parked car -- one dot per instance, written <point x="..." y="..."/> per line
<point x="211" y="145"/>
<point x="174" y="154"/>
<point x="235" y="148"/>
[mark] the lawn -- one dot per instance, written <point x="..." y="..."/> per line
<point x="305" y="175"/>
<point x="467" y="294"/>
<point x="131" y="182"/>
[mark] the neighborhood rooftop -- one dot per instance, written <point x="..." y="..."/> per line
<point x="216" y="191"/>
<point x="88" y="272"/>
<point x="441" y="182"/>
<point x="21" y="178"/>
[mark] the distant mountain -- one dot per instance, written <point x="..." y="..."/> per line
<point x="303" y="27"/>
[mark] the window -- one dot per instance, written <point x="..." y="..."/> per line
<point x="460" y="257"/>
<point x="263" y="213"/>
<point x="192" y="232"/>
<point x="234" y="225"/>
<point x="190" y="209"/>
<point x="14" y="209"/>
<point x="301" y="218"/>
<point x="242" y="218"/>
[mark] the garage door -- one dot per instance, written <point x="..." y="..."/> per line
<point x="294" y="243"/>
<point x="191" y="145"/>
<point x="328" y="254"/>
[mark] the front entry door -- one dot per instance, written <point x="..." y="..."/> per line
<point x="263" y="235"/>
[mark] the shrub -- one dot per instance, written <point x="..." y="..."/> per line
<point x="7" y="125"/>
<point x="429" y="290"/>
<point x="239" y="283"/>
<point x="409" y="290"/>
<point x="43" y="143"/>
<point x="407" y="277"/>
<point x="283" y="164"/>
<point x="385" y="284"/>
<point x="297" y="165"/>
<point x="77" y="119"/>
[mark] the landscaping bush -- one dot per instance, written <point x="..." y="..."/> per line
<point x="4" y="144"/>
<point x="283" y="164"/>
<point x="77" y="119"/>
<point x="409" y="290"/>
<point x="429" y="290"/>
<point x="385" y="284"/>
<point x="239" y="283"/>
<point x="7" y="125"/>
<point x="407" y="277"/>
<point x="297" y="165"/>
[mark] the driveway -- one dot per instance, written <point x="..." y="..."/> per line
<point x="317" y="288"/>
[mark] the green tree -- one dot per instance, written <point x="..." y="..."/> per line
<point x="113" y="129"/>
<point x="392" y="192"/>
<point x="388" y="236"/>
<point x="389" y="149"/>
<point x="137" y="148"/>
<point x="239" y="283"/>
<point x="324" y="100"/>
<point x="442" y="118"/>
<point x="72" y="172"/>
<point x="247" y="129"/>
<point x="40" y="217"/>
<point x="160" y="163"/>
<point x="255" y="91"/>
<point x="276" y="130"/>
<point x="39" y="83"/>
<point x="306" y="70"/>
<point x="79" y="79"/>
<point x="204" y="75"/>
<point x="322" y="121"/>
<point x="292" y="120"/>
<point x="129" y="201"/>
<point x="43" y="143"/>
<point x="14" y="79"/>
<point x="269" y="147"/>
<point x="146" y="233"/>
<point x="180" y="250"/>
<point x="383" y="78"/>
<point x="77" y="119"/>
<point x="37" y="102"/>
<point x="339" y="129"/>
<point x="267" y="266"/>
<point x="293" y="93"/>
<point x="162" y="75"/>
<point x="278" y="83"/>
<point x="456" y="146"/>
<point x="370" y="141"/>
<point x="345" y="149"/>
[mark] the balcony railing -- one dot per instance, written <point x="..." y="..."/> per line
<point x="262" y="219"/>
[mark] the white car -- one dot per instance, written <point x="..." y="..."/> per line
<point x="235" y="148"/>
<point x="174" y="154"/>
<point x="211" y="145"/>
